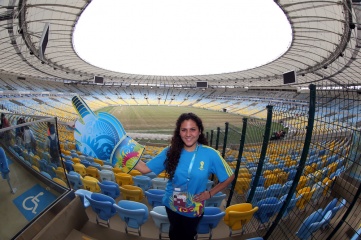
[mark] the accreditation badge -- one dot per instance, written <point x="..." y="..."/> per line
<point x="180" y="195"/>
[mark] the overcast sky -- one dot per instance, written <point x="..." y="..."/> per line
<point x="184" y="37"/>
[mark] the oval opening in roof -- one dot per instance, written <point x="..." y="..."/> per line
<point x="181" y="38"/>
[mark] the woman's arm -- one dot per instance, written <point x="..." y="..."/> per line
<point x="219" y="187"/>
<point x="142" y="167"/>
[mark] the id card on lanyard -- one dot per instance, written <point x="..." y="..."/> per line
<point x="180" y="192"/>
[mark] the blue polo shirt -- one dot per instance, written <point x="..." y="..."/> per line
<point x="206" y="161"/>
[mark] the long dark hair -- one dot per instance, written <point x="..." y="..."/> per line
<point x="177" y="144"/>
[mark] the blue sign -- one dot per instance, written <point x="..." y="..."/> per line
<point x="34" y="201"/>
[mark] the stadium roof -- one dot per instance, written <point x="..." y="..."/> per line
<point x="324" y="50"/>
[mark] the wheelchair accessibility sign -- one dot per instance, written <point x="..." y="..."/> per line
<point x="33" y="201"/>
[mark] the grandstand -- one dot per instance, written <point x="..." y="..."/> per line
<point x="314" y="168"/>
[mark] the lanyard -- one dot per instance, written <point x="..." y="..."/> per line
<point x="191" y="164"/>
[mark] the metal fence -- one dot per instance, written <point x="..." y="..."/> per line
<point x="303" y="160"/>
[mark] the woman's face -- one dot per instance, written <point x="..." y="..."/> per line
<point x="189" y="132"/>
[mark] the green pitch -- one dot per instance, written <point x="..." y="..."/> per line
<point x="161" y="120"/>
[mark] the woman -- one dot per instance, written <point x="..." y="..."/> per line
<point x="189" y="163"/>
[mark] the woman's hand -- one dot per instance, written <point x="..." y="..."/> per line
<point x="202" y="196"/>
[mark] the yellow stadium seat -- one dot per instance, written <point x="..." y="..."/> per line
<point x="270" y="180"/>
<point x="238" y="215"/>
<point x="80" y="168"/>
<point x="76" y="160"/>
<point x="96" y="160"/>
<point x="306" y="195"/>
<point x="91" y="184"/>
<point x="123" y="179"/>
<point x="133" y="193"/>
<point x="244" y="175"/>
<point x="35" y="168"/>
<point x="301" y="183"/>
<point x="162" y="175"/>
<point x="242" y="185"/>
<point x="60" y="173"/>
<point x="135" y="172"/>
<point x="60" y="182"/>
<point x="117" y="170"/>
<point x="93" y="172"/>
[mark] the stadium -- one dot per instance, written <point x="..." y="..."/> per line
<point x="289" y="129"/>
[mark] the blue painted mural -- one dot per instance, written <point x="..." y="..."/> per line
<point x="102" y="136"/>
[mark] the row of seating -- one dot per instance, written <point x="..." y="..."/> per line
<point x="235" y="216"/>
<point x="319" y="219"/>
<point x="135" y="214"/>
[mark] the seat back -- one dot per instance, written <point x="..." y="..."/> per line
<point x="91" y="184"/>
<point x="261" y="181"/>
<point x="311" y="224"/>
<point x="212" y="216"/>
<point x="123" y="179"/>
<point x="106" y="167"/>
<point x="43" y="165"/>
<point x="93" y="172"/>
<point x="306" y="195"/>
<point x="100" y="162"/>
<point x="60" y="182"/>
<point x="80" y="168"/>
<point x="133" y="193"/>
<point x="259" y="194"/>
<point x="75" y="180"/>
<point x="106" y="175"/>
<point x="274" y="190"/>
<point x="69" y="165"/>
<point x="301" y="183"/>
<point x="102" y="205"/>
<point x="151" y="175"/>
<point x="143" y="182"/>
<point x="96" y="165"/>
<point x="209" y="185"/>
<point x="46" y="174"/>
<point x="317" y="193"/>
<point x="159" y="183"/>
<point x="338" y="207"/>
<point x="134" y="214"/>
<point x="154" y="197"/>
<point x="267" y="208"/>
<point x="86" y="163"/>
<point x="160" y="218"/>
<point x="215" y="200"/>
<point x="60" y="173"/>
<point x="286" y="188"/>
<point x="270" y="180"/>
<point x="237" y="215"/>
<point x="242" y="185"/>
<point x="291" y="174"/>
<point x="81" y="193"/>
<point x="50" y="168"/>
<point x="331" y="207"/>
<point x="135" y="172"/>
<point x="282" y="177"/>
<point x="291" y="204"/>
<point x="110" y="189"/>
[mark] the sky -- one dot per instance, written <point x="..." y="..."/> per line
<point x="181" y="38"/>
